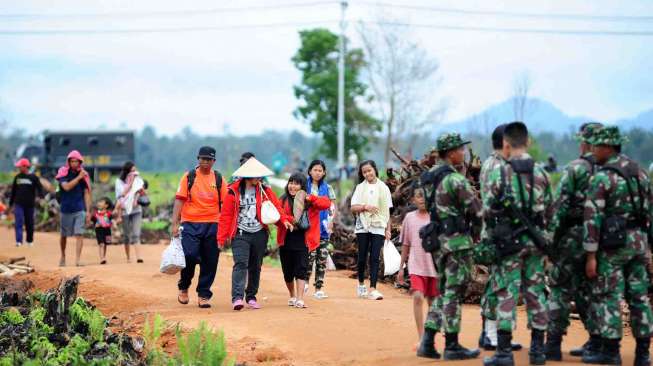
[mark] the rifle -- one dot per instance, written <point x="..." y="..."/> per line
<point x="530" y="229"/>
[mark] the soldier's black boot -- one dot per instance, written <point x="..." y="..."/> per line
<point x="536" y="354"/>
<point x="426" y="348"/>
<point x="607" y="354"/>
<point x="483" y="341"/>
<point x="592" y="344"/>
<point x="503" y="355"/>
<point x="553" y="342"/>
<point x="642" y="354"/>
<point x="454" y="351"/>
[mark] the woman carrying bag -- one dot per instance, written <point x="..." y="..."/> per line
<point x="248" y="209"/>
<point x="296" y="243"/>
<point x="371" y="203"/>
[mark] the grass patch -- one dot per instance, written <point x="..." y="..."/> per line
<point x="156" y="225"/>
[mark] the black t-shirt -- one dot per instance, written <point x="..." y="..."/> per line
<point x="24" y="190"/>
<point x="295" y="240"/>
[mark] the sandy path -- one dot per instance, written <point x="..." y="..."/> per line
<point x="341" y="330"/>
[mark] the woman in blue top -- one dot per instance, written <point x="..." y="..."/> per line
<point x="317" y="185"/>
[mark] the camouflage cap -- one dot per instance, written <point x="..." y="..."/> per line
<point x="608" y="135"/>
<point x="587" y="131"/>
<point x="448" y="141"/>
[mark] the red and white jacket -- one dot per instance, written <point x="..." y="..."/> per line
<point x="228" y="224"/>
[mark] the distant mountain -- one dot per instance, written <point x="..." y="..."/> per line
<point x="643" y="120"/>
<point x="541" y="116"/>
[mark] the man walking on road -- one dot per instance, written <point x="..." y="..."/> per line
<point x="23" y="193"/>
<point x="75" y="205"/>
<point x="198" y="203"/>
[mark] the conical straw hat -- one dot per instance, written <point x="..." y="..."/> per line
<point x="252" y="169"/>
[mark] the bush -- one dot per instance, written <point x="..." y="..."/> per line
<point x="201" y="347"/>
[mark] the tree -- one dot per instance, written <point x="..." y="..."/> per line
<point x="521" y="104"/>
<point x="317" y="59"/>
<point x="402" y="77"/>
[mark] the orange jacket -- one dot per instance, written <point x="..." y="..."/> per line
<point x="312" y="235"/>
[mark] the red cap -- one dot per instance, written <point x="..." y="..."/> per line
<point x="23" y="163"/>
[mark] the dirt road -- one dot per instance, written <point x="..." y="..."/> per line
<point x="342" y="330"/>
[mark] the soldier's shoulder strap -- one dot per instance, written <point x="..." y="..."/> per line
<point x="434" y="178"/>
<point x="628" y="173"/>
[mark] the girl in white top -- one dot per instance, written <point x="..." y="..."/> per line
<point x="371" y="203"/>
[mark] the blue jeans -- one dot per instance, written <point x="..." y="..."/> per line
<point x="24" y="216"/>
<point x="199" y="241"/>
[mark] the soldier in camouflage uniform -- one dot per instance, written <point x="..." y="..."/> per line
<point x="456" y="206"/>
<point x="567" y="277"/>
<point x="519" y="186"/>
<point x="616" y="219"/>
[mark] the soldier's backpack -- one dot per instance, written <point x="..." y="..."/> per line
<point x="429" y="233"/>
<point x="613" y="229"/>
<point x="192" y="174"/>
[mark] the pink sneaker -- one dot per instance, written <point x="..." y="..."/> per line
<point x="252" y="304"/>
<point x="238" y="304"/>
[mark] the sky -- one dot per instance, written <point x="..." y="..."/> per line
<point x="239" y="79"/>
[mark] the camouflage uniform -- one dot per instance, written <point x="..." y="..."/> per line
<point x="484" y="253"/>
<point x="454" y="198"/>
<point x="567" y="276"/>
<point x="621" y="271"/>
<point x="523" y="270"/>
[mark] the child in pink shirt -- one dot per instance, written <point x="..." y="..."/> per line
<point x="423" y="280"/>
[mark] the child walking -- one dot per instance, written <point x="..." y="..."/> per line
<point x="371" y="203"/>
<point x="296" y="242"/>
<point x="318" y="186"/>
<point x="421" y="269"/>
<point x="102" y="221"/>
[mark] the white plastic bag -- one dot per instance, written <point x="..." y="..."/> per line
<point x="269" y="213"/>
<point x="391" y="258"/>
<point x="172" y="258"/>
<point x="330" y="265"/>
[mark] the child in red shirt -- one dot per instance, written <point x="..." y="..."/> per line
<point x="102" y="220"/>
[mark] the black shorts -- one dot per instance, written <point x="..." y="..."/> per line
<point x="294" y="264"/>
<point x="103" y="235"/>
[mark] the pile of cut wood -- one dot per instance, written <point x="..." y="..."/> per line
<point x="400" y="182"/>
<point x="13" y="266"/>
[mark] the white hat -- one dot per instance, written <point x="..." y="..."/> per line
<point x="252" y="169"/>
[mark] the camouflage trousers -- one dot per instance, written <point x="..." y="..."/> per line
<point x="489" y="299"/>
<point x="454" y="271"/>
<point x="319" y="256"/>
<point x="568" y="283"/>
<point x="622" y="275"/>
<point x="521" y="272"/>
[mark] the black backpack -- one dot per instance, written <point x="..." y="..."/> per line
<point x="218" y="184"/>
<point x="429" y="233"/>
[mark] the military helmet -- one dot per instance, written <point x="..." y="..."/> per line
<point x="449" y="141"/>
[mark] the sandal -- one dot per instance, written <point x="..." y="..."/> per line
<point x="292" y="301"/>
<point x="300" y="304"/>
<point x="203" y="303"/>
<point x="183" y="297"/>
<point x="139" y="261"/>
<point x="104" y="261"/>
<point x="62" y="262"/>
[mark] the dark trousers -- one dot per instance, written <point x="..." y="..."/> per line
<point x="369" y="245"/>
<point x="248" y="250"/>
<point x="24" y="215"/>
<point x="200" y="247"/>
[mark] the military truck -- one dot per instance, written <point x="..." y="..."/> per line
<point x="104" y="152"/>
